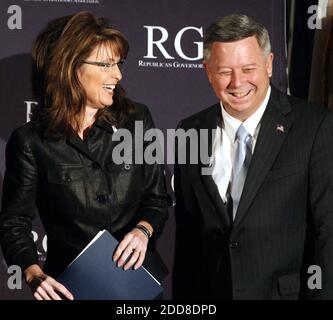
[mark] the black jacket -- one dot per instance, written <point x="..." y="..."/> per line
<point x="77" y="190"/>
<point x="284" y="221"/>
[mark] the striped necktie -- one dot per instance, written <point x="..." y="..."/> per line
<point x="240" y="166"/>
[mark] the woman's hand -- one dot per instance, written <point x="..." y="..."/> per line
<point x="45" y="287"/>
<point x="132" y="249"/>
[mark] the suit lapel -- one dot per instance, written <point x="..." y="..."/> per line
<point x="274" y="129"/>
<point x="210" y="123"/>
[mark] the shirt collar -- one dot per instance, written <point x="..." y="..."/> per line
<point x="231" y="124"/>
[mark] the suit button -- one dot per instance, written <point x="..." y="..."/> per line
<point x="102" y="198"/>
<point x="233" y="244"/>
<point x="127" y="166"/>
<point x="67" y="178"/>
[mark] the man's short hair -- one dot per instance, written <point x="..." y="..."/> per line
<point x="235" y="27"/>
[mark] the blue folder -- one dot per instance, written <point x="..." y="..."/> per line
<point x="94" y="276"/>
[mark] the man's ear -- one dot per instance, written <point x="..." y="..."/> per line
<point x="269" y="64"/>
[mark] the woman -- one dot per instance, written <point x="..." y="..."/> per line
<point x="61" y="162"/>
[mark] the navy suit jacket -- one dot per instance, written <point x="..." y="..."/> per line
<point x="284" y="221"/>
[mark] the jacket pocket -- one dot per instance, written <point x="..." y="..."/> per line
<point x="286" y="171"/>
<point x="127" y="182"/>
<point x="289" y="284"/>
<point x="65" y="189"/>
<point x="65" y="174"/>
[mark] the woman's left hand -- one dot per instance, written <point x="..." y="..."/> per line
<point x="131" y="250"/>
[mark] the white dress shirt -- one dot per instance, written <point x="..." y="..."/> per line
<point x="224" y="145"/>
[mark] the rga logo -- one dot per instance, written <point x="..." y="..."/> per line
<point x="158" y="36"/>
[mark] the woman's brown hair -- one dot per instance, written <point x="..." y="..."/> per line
<point x="58" y="52"/>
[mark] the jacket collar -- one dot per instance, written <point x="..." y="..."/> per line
<point x="76" y="142"/>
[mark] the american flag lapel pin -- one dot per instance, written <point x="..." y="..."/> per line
<point x="280" y="128"/>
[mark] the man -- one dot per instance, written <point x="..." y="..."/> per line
<point x="252" y="227"/>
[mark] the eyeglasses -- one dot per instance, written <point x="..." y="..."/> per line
<point x="106" y="67"/>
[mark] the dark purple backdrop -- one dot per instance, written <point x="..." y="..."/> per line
<point x="172" y="92"/>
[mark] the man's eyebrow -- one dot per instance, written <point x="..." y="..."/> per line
<point x="254" y="64"/>
<point x="250" y="65"/>
<point x="224" y="67"/>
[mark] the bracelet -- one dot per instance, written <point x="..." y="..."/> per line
<point x="144" y="230"/>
